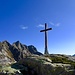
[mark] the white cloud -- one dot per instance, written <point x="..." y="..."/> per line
<point x="41" y="25"/>
<point x="23" y="27"/>
<point x="57" y="24"/>
<point x="51" y="23"/>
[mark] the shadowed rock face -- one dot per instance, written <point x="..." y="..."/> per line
<point x="5" y="54"/>
<point x="40" y="65"/>
<point x="9" y="53"/>
<point x="17" y="50"/>
<point x="33" y="50"/>
<point x="53" y="64"/>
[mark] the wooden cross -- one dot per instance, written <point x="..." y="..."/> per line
<point x="45" y="30"/>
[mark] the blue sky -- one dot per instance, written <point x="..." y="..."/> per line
<point x="23" y="19"/>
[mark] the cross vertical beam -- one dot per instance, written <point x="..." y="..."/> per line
<point x="46" y="49"/>
<point x="46" y="29"/>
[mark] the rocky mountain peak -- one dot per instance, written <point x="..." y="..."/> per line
<point x="19" y="46"/>
<point x="16" y="43"/>
<point x="5" y="54"/>
<point x="6" y="43"/>
<point x="33" y="50"/>
<point x="17" y="50"/>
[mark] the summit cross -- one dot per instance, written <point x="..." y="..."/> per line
<point x="45" y="30"/>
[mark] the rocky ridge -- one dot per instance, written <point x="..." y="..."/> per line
<point x="44" y="65"/>
<point x="11" y="53"/>
<point x="5" y="54"/>
<point x="21" y="59"/>
<point x="15" y="52"/>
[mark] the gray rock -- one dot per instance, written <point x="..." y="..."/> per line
<point x="44" y="66"/>
<point x="17" y="50"/>
<point x="33" y="50"/>
<point x="6" y="57"/>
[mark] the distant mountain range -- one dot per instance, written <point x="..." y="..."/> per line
<point x="16" y="51"/>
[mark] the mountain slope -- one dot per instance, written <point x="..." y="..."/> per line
<point x="33" y="50"/>
<point x="17" y="50"/>
<point x="5" y="54"/>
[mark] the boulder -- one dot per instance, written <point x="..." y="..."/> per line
<point x="41" y="65"/>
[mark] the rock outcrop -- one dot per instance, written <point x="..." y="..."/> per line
<point x="6" y="57"/>
<point x="11" y="53"/>
<point x="17" y="50"/>
<point x="33" y="50"/>
<point x="40" y="65"/>
<point x="28" y="61"/>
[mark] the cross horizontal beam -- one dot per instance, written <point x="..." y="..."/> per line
<point x="46" y="30"/>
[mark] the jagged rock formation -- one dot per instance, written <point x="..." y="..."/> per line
<point x="33" y="50"/>
<point x="43" y="65"/>
<point x="10" y="53"/>
<point x="40" y="65"/>
<point x="5" y="54"/>
<point x="17" y="50"/>
<point x="32" y="62"/>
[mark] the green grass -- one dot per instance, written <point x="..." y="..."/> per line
<point x="61" y="59"/>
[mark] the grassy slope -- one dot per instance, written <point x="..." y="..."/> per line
<point x="61" y="59"/>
